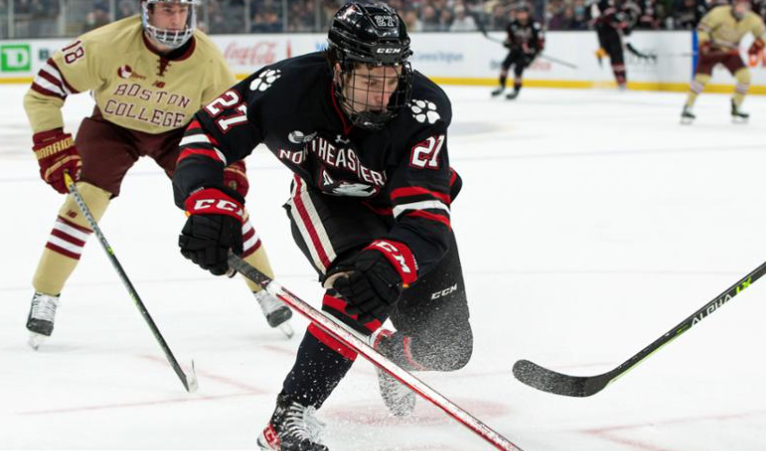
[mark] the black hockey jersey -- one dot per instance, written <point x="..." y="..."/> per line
<point x="402" y="170"/>
<point x="616" y="14"/>
<point x="527" y="37"/>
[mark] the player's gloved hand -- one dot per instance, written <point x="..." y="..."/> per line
<point x="213" y="228"/>
<point x="56" y="153"/>
<point x="705" y="48"/>
<point x="376" y="281"/>
<point x="235" y="177"/>
<point x="756" y="47"/>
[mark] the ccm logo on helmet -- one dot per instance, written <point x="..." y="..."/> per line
<point x="217" y="204"/>
<point x="389" y="50"/>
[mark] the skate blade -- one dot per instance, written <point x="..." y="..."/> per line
<point x="35" y="340"/>
<point x="687" y="121"/>
<point x="287" y="329"/>
<point x="740" y="120"/>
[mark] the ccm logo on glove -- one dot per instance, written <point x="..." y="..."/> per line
<point x="211" y="201"/>
<point x="400" y="256"/>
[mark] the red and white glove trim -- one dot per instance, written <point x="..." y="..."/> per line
<point x="401" y="258"/>
<point x="211" y="201"/>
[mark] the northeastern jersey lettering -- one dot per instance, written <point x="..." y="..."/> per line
<point x="402" y="170"/>
<point x="527" y="37"/>
<point x="724" y="31"/>
<point x="133" y="87"/>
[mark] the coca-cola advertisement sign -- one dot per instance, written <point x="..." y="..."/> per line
<point x="253" y="54"/>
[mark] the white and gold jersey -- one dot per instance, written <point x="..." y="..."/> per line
<point x="133" y="86"/>
<point x="723" y="30"/>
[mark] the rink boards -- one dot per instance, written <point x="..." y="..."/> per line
<point x="461" y="58"/>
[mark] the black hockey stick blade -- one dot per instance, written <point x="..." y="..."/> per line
<point x="550" y="381"/>
<point x="582" y="386"/>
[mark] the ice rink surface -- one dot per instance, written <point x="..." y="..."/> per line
<point x="590" y="223"/>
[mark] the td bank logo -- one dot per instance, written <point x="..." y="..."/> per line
<point x="15" y="58"/>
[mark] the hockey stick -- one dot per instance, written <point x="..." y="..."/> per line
<point x="557" y="61"/>
<point x="188" y="380"/>
<point x="483" y="31"/>
<point x="635" y="52"/>
<point x="582" y="386"/>
<point x="359" y="344"/>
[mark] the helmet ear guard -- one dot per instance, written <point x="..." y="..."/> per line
<point x="169" y="38"/>
<point x="373" y="35"/>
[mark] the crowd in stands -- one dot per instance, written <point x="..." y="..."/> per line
<point x="40" y="18"/>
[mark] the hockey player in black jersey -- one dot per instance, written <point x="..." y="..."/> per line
<point x="366" y="139"/>
<point x="525" y="41"/>
<point x="613" y="20"/>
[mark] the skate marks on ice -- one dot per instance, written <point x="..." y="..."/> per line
<point x="245" y="390"/>
<point x="639" y="436"/>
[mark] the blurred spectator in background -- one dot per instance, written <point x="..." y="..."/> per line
<point x="462" y="21"/>
<point x="429" y="18"/>
<point x="266" y="21"/>
<point x="445" y="20"/>
<point x="412" y="21"/>
<point x="127" y="8"/>
<point x="98" y="17"/>
<point x="688" y="13"/>
<point x="649" y="17"/>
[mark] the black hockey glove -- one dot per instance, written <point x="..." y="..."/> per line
<point x="213" y="228"/>
<point x="376" y="281"/>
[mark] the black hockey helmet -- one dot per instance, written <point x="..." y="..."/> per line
<point x="373" y="35"/>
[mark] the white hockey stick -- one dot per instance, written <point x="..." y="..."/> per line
<point x="358" y="343"/>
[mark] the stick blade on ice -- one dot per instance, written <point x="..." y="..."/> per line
<point x="550" y="381"/>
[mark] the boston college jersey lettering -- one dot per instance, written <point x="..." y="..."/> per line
<point x="133" y="87"/>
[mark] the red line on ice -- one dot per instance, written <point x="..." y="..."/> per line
<point x="136" y="404"/>
<point x="223" y="379"/>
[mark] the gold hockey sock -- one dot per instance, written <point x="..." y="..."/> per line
<point x="743" y="84"/>
<point x="67" y="240"/>
<point x="254" y="254"/>
<point x="696" y="87"/>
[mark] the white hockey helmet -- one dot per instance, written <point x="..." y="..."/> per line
<point x="170" y="38"/>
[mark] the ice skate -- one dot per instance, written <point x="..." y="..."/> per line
<point x="293" y="427"/>
<point x="276" y="312"/>
<point x="42" y="315"/>
<point x="512" y="95"/>
<point x="687" y="117"/>
<point x="498" y="91"/>
<point x="737" y="115"/>
<point x="399" y="399"/>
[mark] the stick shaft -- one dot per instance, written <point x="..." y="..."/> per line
<point x="125" y="281"/>
<point x="360" y="345"/>
<point x="691" y="321"/>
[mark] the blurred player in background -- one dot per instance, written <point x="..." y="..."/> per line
<point x="719" y="34"/>
<point x="366" y="139"/>
<point x="525" y="41"/>
<point x="613" y="20"/>
<point x="148" y="74"/>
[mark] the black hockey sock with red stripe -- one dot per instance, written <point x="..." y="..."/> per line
<point x="503" y="79"/>
<point x="317" y="371"/>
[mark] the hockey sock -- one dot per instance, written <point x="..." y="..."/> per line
<point x="503" y="78"/>
<point x="517" y="84"/>
<point x="696" y="87"/>
<point x="254" y="253"/>
<point x="619" y="74"/>
<point x="67" y="239"/>
<point x="743" y="84"/>
<point x="317" y="371"/>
